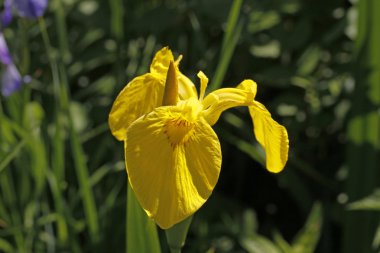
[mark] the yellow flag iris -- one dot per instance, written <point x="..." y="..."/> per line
<point x="172" y="155"/>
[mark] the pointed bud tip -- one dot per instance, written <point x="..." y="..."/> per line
<point x="171" y="86"/>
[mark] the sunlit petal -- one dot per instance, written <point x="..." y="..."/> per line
<point x="272" y="136"/>
<point x="160" y="65"/>
<point x="186" y="87"/>
<point x="140" y="96"/>
<point x="161" y="61"/>
<point x="220" y="100"/>
<point x="173" y="163"/>
<point x="204" y="81"/>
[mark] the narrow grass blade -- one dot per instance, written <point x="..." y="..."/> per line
<point x="11" y="155"/>
<point x="232" y="20"/>
<point x="81" y="169"/>
<point x="141" y="231"/>
<point x="62" y="228"/>
<point x="231" y="37"/>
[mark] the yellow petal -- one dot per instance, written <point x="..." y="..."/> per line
<point x="186" y="87"/>
<point x="173" y="163"/>
<point x="160" y="65"/>
<point x="140" y="96"/>
<point x="204" y="81"/>
<point x="272" y="136"/>
<point x="220" y="100"/>
<point x="160" y="62"/>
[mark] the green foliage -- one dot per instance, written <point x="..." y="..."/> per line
<point x="371" y="202"/>
<point x="62" y="178"/>
<point x="141" y="231"/>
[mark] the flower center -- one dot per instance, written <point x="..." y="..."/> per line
<point x="178" y="131"/>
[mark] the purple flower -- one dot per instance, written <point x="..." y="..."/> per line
<point x="30" y="8"/>
<point x="5" y="57"/>
<point x="6" y="15"/>
<point x="10" y="80"/>
<point x="24" y="8"/>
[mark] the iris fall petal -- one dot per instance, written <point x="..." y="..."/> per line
<point x="173" y="163"/>
<point x="272" y="136"/>
<point x="220" y="100"/>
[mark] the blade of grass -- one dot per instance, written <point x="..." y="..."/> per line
<point x="11" y="155"/>
<point x="231" y="37"/>
<point x="81" y="169"/>
<point x="232" y="20"/>
<point x="141" y="231"/>
<point x="59" y="75"/>
<point x="59" y="206"/>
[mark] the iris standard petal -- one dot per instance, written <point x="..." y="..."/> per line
<point x="186" y="88"/>
<point x="173" y="163"/>
<point x="140" y="96"/>
<point x="161" y="61"/>
<point x="30" y="8"/>
<point x="220" y="100"/>
<point x="272" y="136"/>
<point x="160" y="65"/>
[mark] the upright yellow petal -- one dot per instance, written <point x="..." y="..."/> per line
<point x="160" y="62"/>
<point x="173" y="163"/>
<point x="186" y="87"/>
<point x="140" y="96"/>
<point x="160" y="65"/>
<point x="272" y="136"/>
<point x="220" y="100"/>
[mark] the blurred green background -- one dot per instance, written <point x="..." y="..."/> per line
<point x="63" y="187"/>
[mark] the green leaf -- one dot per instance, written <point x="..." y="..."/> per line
<point x="259" y="21"/>
<point x="307" y="239"/>
<point x="376" y="240"/>
<point x="5" y="246"/>
<point x="282" y="243"/>
<point x="371" y="202"/>
<point x="258" y="244"/>
<point x="141" y="231"/>
<point x="309" y="61"/>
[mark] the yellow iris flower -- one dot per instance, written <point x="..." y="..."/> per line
<point x="172" y="154"/>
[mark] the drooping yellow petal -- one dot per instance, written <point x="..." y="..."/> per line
<point x="140" y="96"/>
<point x="173" y="163"/>
<point x="220" y="100"/>
<point x="272" y="136"/>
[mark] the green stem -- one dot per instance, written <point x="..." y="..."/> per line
<point x="176" y="235"/>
